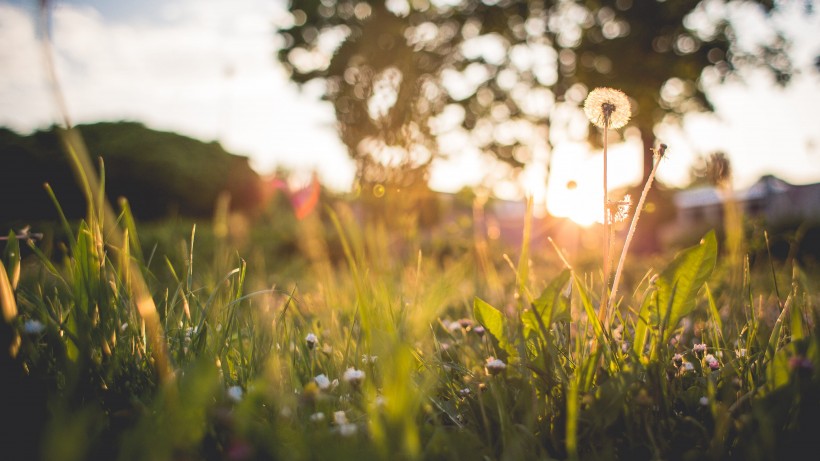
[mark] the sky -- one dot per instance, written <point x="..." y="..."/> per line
<point x="207" y="69"/>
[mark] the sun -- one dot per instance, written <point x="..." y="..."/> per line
<point x="578" y="201"/>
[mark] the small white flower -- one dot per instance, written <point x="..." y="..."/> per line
<point x="322" y="381"/>
<point x="688" y="366"/>
<point x="339" y="417"/>
<point x="33" y="327"/>
<point x="699" y="348"/>
<point x="317" y="417"/>
<point x="740" y="353"/>
<point x="369" y="359"/>
<point x="348" y="430"/>
<point x="311" y="340"/>
<point x="235" y="393"/>
<point x="353" y="376"/>
<point x="704" y="401"/>
<point x="495" y="366"/>
<point x="464" y="392"/>
<point x="617" y="333"/>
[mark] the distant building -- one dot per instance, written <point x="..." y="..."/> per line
<point x="770" y="198"/>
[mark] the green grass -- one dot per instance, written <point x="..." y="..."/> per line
<point x="86" y="380"/>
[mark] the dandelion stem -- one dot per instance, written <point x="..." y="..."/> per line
<point x="657" y="160"/>
<point x="602" y="313"/>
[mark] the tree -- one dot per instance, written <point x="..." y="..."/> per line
<point x="403" y="75"/>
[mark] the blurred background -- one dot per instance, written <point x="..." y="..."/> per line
<point x="424" y="107"/>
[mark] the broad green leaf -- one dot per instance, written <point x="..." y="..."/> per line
<point x="493" y="320"/>
<point x="682" y="279"/>
<point x="551" y="306"/>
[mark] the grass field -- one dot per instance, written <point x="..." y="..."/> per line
<point x="353" y="341"/>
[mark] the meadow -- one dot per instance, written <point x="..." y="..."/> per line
<point x="342" y="337"/>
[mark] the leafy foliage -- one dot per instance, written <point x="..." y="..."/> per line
<point x="159" y="173"/>
<point x="403" y="76"/>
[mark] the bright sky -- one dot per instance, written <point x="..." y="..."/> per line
<point x="207" y="69"/>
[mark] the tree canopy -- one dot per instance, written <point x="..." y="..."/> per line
<point x="160" y="173"/>
<point x="411" y="80"/>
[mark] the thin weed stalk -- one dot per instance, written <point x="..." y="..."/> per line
<point x="658" y="155"/>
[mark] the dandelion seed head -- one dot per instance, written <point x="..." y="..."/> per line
<point x="619" y="211"/>
<point x="607" y="108"/>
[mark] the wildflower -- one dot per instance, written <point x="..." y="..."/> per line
<point x="800" y="364"/>
<point x="704" y="401"/>
<point x="495" y="366"/>
<point x="339" y="417"/>
<point x="353" y="376"/>
<point x="239" y="449"/>
<point x="607" y="108"/>
<point x="479" y="330"/>
<point x="464" y="323"/>
<point x="235" y="393"/>
<point x="317" y="417"/>
<point x="699" y="348"/>
<point x="348" y="430"/>
<point x="322" y="381"/>
<point x="33" y="327"/>
<point x="711" y="361"/>
<point x="371" y="359"/>
<point x="464" y="392"/>
<point x="687" y="366"/>
<point x="311" y="340"/>
<point x="677" y="359"/>
<point x="740" y="353"/>
<point x="617" y="333"/>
